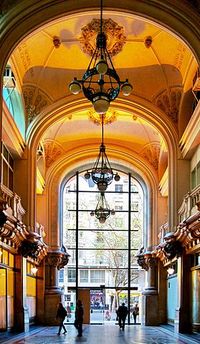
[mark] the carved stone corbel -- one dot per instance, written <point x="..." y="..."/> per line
<point x="146" y="259"/>
<point x="58" y="258"/>
<point x="172" y="248"/>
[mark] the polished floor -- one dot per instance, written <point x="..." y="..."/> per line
<point x="99" y="334"/>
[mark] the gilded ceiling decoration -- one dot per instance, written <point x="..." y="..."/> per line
<point x="35" y="101"/>
<point x="115" y="36"/>
<point x="169" y="102"/>
<point x="151" y="152"/>
<point x="109" y="117"/>
<point x="52" y="152"/>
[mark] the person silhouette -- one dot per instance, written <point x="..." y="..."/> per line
<point x="60" y="315"/>
<point x="122" y="314"/>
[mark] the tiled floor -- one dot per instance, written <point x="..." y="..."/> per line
<point x="99" y="334"/>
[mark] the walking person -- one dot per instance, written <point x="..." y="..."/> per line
<point x="122" y="314"/>
<point x="78" y="323"/>
<point x="135" y="312"/>
<point x="60" y="316"/>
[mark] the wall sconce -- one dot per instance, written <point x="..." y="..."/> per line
<point x="34" y="270"/>
<point x="170" y="271"/>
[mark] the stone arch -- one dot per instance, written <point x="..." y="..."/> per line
<point x="150" y="113"/>
<point x="67" y="166"/>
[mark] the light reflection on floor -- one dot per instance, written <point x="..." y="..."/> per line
<point x="99" y="334"/>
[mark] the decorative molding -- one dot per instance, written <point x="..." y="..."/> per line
<point x="14" y="233"/>
<point x="52" y="152"/>
<point x="114" y="32"/>
<point x="192" y="131"/>
<point x="146" y="259"/>
<point x="6" y="5"/>
<point x="163" y="185"/>
<point x="35" y="101"/>
<point x="151" y="152"/>
<point x="58" y="258"/>
<point x="109" y="117"/>
<point x="169" y="102"/>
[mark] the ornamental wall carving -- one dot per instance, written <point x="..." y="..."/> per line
<point x="52" y="152"/>
<point x="151" y="152"/>
<point x="114" y="33"/>
<point x="109" y="117"/>
<point x="35" y="101"/>
<point x="184" y="239"/>
<point x="169" y="103"/>
<point x="58" y="259"/>
<point x="14" y="233"/>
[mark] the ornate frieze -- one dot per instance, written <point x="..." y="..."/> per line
<point x="114" y="33"/>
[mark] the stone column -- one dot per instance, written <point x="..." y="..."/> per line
<point x="53" y="294"/>
<point x="150" y="294"/>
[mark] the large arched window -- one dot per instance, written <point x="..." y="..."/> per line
<point x="103" y="256"/>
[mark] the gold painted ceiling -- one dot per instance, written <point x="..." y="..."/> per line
<point x="160" y="67"/>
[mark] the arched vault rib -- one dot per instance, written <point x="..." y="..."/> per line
<point x="147" y="111"/>
<point x="177" y="17"/>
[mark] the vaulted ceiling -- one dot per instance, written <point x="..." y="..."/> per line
<point x="159" y="65"/>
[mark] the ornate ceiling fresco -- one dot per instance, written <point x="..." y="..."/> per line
<point x="160" y="67"/>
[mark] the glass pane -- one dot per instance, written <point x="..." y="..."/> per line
<point x="103" y="239"/>
<point x="136" y="240"/>
<point x="134" y="263"/>
<point x="11" y="260"/>
<point x="2" y="299"/>
<point x="5" y="257"/>
<point x="5" y="173"/>
<point x="70" y="237"/>
<point x="70" y="305"/>
<point x="31" y="286"/>
<point x="10" y="180"/>
<point x="69" y="202"/>
<point x="104" y="257"/>
<point x="193" y="178"/>
<point x="10" y="280"/>
<point x="72" y="258"/>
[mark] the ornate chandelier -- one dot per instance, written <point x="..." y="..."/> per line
<point x="102" y="173"/>
<point x="100" y="83"/>
<point x="102" y="211"/>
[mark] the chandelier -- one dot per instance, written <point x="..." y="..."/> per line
<point x="102" y="211"/>
<point x="100" y="83"/>
<point x="102" y="173"/>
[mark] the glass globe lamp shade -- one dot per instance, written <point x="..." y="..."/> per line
<point x="102" y="185"/>
<point x="34" y="270"/>
<point x="87" y="175"/>
<point x="102" y="67"/>
<point x="126" y="88"/>
<point x="170" y="271"/>
<point x="102" y="219"/>
<point x="101" y="104"/>
<point x="117" y="177"/>
<point x="74" y="87"/>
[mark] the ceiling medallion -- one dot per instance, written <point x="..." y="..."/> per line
<point x="114" y="33"/>
<point x="109" y="117"/>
